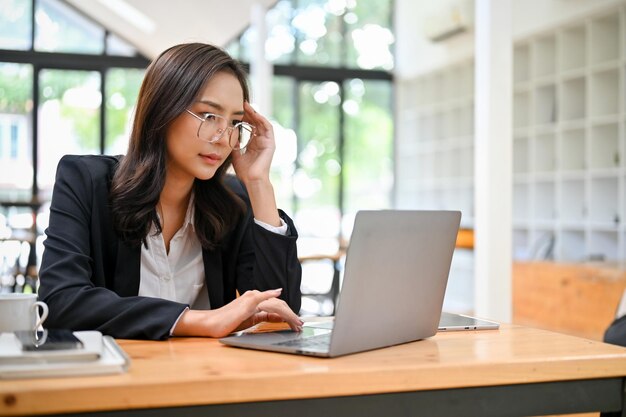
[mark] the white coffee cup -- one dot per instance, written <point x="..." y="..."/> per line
<point x="21" y="312"/>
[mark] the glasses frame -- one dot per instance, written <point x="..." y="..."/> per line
<point x="219" y="133"/>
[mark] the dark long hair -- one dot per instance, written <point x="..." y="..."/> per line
<point x="171" y="83"/>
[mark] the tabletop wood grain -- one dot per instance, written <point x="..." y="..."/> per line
<point x="194" y="371"/>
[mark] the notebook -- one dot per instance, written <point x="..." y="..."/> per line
<point x="395" y="278"/>
<point x="11" y="352"/>
<point x="101" y="356"/>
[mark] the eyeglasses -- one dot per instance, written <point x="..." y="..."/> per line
<point x="213" y="126"/>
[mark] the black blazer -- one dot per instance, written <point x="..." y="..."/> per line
<point x="90" y="278"/>
<point x="616" y="332"/>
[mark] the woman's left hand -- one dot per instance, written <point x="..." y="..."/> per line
<point x="254" y="163"/>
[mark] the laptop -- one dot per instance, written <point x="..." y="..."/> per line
<point x="395" y="278"/>
<point x="448" y="322"/>
<point x="455" y="322"/>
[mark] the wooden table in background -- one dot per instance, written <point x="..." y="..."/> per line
<point x="579" y="299"/>
<point x="511" y="371"/>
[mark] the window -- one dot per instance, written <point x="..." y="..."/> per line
<point x="369" y="29"/>
<point x="122" y="89"/>
<point x="59" y="93"/>
<point x="81" y="106"/>
<point x="332" y="111"/>
<point x="58" y="28"/>
<point x="14" y="144"/>
<point x="68" y="120"/>
<point x="368" y="158"/>
<point x="16" y="101"/>
<point x="16" y="24"/>
<point x="325" y="33"/>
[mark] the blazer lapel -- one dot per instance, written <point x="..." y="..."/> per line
<point x="128" y="267"/>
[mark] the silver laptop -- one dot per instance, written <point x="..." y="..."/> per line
<point x="448" y="322"/>
<point x="394" y="282"/>
<point x="455" y="322"/>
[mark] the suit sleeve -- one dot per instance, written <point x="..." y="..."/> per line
<point x="616" y="333"/>
<point x="267" y="260"/>
<point x="77" y="299"/>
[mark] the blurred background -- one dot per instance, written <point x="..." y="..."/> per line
<point x="374" y="106"/>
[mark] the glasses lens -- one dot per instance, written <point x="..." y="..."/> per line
<point x="241" y="136"/>
<point x="208" y="129"/>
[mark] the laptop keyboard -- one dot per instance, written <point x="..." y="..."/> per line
<point x="319" y="342"/>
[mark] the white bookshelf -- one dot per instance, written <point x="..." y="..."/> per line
<point x="569" y="139"/>
<point x="569" y="123"/>
<point x="436" y="166"/>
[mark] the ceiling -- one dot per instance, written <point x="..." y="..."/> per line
<point x="152" y="26"/>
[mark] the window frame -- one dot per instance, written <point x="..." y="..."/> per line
<point x="67" y="61"/>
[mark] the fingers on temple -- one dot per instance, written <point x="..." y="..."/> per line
<point x="257" y="119"/>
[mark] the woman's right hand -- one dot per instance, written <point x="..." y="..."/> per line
<point x="250" y="308"/>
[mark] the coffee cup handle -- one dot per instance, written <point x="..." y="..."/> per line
<point x="44" y="313"/>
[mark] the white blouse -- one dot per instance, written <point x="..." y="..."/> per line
<point x="179" y="275"/>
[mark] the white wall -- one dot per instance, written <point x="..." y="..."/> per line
<point x="417" y="55"/>
<point x="414" y="53"/>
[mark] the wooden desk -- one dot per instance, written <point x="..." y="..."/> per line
<point x="513" y="371"/>
<point x="573" y="298"/>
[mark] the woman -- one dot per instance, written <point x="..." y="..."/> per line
<point x="159" y="242"/>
